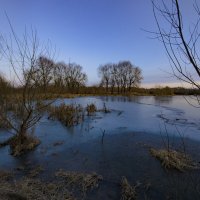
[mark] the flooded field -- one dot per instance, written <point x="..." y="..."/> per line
<point x="115" y="145"/>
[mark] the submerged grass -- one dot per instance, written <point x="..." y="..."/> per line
<point x="73" y="114"/>
<point x="69" y="115"/>
<point x="128" y="192"/>
<point x="172" y="159"/>
<point x="19" y="145"/>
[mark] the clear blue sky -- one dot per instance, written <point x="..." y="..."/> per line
<point x="93" y="32"/>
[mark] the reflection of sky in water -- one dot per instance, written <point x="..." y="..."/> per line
<point x="146" y="114"/>
<point x="128" y="114"/>
<point x="142" y="114"/>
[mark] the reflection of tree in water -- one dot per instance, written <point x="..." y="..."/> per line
<point x="122" y="98"/>
<point x="162" y="100"/>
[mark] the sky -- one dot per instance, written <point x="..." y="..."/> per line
<point x="94" y="32"/>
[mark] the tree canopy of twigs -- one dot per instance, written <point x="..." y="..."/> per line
<point x="179" y="38"/>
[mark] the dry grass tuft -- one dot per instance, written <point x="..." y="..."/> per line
<point x="29" y="189"/>
<point x="69" y="115"/>
<point x="5" y="175"/>
<point x="91" y="109"/>
<point x="82" y="180"/>
<point x="172" y="159"/>
<point x="20" y="144"/>
<point x="128" y="192"/>
<point x="36" y="171"/>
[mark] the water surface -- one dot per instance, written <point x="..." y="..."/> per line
<point x="133" y="125"/>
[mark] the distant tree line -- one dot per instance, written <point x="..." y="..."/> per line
<point x="59" y="85"/>
<point x="58" y="77"/>
<point x="120" y="77"/>
<point x="48" y="75"/>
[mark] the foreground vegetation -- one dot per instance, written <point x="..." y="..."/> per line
<point x="67" y="186"/>
<point x="40" y="77"/>
<point x="128" y="191"/>
<point x="69" y="115"/>
<point x="172" y="159"/>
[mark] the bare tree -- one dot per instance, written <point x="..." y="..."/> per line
<point x="44" y="71"/>
<point x="104" y="73"/>
<point x="22" y="109"/>
<point x="124" y="68"/>
<point x="74" y="77"/>
<point x="116" y="76"/>
<point x="68" y="76"/>
<point x="180" y="40"/>
<point x="122" y="76"/>
<point x="134" y="77"/>
<point x="59" y="74"/>
<point x="113" y="78"/>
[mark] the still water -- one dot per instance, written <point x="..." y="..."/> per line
<point x="133" y="125"/>
<point x="154" y="115"/>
